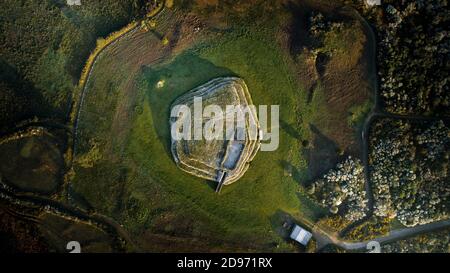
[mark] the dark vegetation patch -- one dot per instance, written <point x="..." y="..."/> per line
<point x="58" y="231"/>
<point x="44" y="47"/>
<point x="32" y="163"/>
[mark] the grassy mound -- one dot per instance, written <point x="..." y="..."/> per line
<point x="124" y="132"/>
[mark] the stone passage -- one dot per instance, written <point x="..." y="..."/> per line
<point x="222" y="160"/>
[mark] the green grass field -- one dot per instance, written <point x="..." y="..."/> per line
<point x="143" y="189"/>
<point x="244" y="209"/>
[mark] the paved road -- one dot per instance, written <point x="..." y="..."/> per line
<point x="396" y="235"/>
<point x="323" y="238"/>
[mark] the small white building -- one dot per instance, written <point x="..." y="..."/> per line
<point x="301" y="235"/>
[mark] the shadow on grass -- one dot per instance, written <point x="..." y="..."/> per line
<point x="181" y="75"/>
<point x="322" y="155"/>
<point x="211" y="184"/>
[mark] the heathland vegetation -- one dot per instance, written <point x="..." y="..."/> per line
<point x="412" y="53"/>
<point x="409" y="170"/>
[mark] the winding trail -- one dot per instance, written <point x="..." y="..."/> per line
<point x="323" y="238"/>
<point x="109" y="226"/>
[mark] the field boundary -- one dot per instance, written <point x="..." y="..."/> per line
<point x="80" y="90"/>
